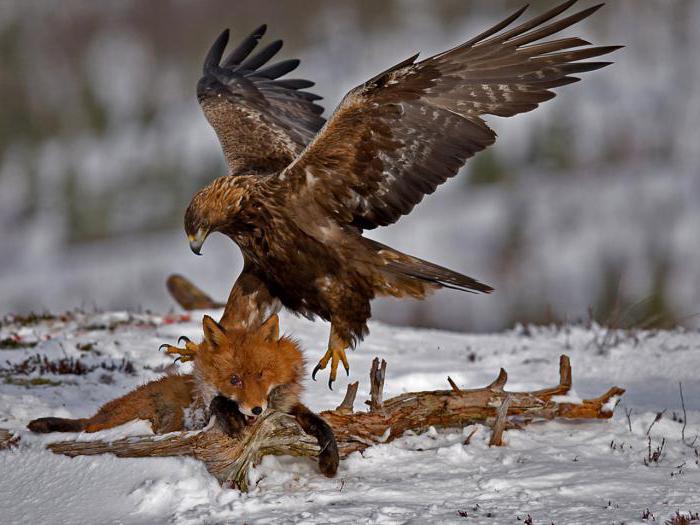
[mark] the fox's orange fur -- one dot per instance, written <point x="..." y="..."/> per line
<point x="163" y="402"/>
<point x="269" y="368"/>
<point x="237" y="375"/>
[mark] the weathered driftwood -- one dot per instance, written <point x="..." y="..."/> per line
<point x="228" y="458"/>
<point x="189" y="296"/>
<point x="499" y="425"/>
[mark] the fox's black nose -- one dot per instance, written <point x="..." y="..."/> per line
<point x="257" y="411"/>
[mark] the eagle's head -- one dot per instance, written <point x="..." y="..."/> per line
<point x="208" y="211"/>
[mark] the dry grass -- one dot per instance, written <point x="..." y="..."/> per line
<point x="42" y="365"/>
<point x="683" y="519"/>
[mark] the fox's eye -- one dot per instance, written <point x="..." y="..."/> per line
<point x="235" y="380"/>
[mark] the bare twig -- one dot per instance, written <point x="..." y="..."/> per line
<point x="628" y="414"/>
<point x="452" y="384"/>
<point x="469" y="437"/>
<point x="500" y="424"/>
<point x="685" y="420"/>
<point x="658" y="417"/>
<point x="654" y="456"/>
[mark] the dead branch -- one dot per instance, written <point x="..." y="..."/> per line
<point x="229" y="458"/>
<point x="189" y="296"/>
<point x="453" y="385"/>
<point x="376" y="383"/>
<point x="346" y="406"/>
<point x="499" y="425"/>
<point x="7" y="439"/>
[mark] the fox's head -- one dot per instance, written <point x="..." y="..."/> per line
<point x="251" y="367"/>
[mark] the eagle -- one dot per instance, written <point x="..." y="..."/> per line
<point x="300" y="190"/>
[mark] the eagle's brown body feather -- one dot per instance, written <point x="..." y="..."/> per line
<point x="311" y="269"/>
<point x="299" y="193"/>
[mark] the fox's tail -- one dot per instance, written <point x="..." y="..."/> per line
<point x="45" y="425"/>
<point x="413" y="270"/>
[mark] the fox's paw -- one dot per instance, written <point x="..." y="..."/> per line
<point x="328" y="459"/>
<point x="227" y="415"/>
<point x="335" y="356"/>
<point x="183" y="354"/>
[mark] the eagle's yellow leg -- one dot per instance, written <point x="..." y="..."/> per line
<point x="335" y="354"/>
<point x="183" y="354"/>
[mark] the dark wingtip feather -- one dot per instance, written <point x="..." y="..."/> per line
<point x="245" y="47"/>
<point x="216" y="52"/>
<point x="495" y="29"/>
<point x="279" y="69"/>
<point x="603" y="50"/>
<point x="263" y="56"/>
<point x="554" y="27"/>
<point x="295" y="83"/>
<point x="610" y="49"/>
<point x="582" y="67"/>
<point x="585" y="13"/>
<point x="285" y="94"/>
<point x="530" y="24"/>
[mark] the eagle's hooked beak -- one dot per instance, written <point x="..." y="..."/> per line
<point x="197" y="240"/>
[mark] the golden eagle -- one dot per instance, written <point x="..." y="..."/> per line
<point x="300" y="191"/>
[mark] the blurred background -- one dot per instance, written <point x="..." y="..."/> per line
<point x="586" y="209"/>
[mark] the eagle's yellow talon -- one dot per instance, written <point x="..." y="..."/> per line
<point x="335" y="356"/>
<point x="184" y="354"/>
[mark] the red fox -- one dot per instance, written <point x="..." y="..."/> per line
<point x="238" y="374"/>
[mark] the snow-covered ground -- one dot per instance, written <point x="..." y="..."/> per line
<point x="561" y="472"/>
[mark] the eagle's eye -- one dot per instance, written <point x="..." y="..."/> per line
<point x="236" y="381"/>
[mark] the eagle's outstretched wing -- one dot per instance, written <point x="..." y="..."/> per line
<point x="397" y="137"/>
<point x="262" y="122"/>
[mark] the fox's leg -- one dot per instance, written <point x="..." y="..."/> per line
<point x="314" y="425"/>
<point x="103" y="420"/>
<point x="162" y="402"/>
<point x="227" y="414"/>
<point x="335" y="354"/>
<point x="109" y="416"/>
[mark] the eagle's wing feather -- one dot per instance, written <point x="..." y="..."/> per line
<point x="263" y="122"/>
<point x="398" y="136"/>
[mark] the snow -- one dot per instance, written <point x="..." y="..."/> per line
<point x="557" y="471"/>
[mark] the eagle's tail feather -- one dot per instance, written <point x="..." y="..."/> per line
<point x="414" y="269"/>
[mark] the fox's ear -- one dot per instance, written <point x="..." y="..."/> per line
<point x="270" y="329"/>
<point x="214" y="333"/>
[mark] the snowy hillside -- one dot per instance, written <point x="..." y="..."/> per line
<point x="589" y="201"/>
<point x="561" y="472"/>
